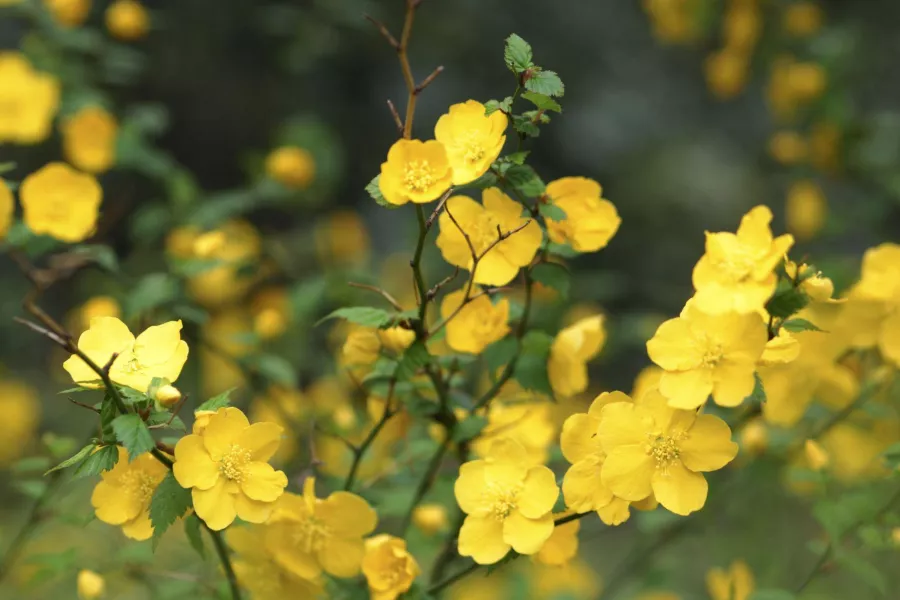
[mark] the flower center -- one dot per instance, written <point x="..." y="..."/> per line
<point x="138" y="484"/>
<point x="309" y="534"/>
<point x="664" y="450"/>
<point x="502" y="501"/>
<point x="737" y="265"/>
<point x="484" y="232"/>
<point x="234" y="462"/>
<point x="419" y="176"/>
<point x="474" y="152"/>
<point x="713" y="352"/>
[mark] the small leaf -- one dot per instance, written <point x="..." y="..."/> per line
<point x="166" y="418"/>
<point x="366" y="316"/>
<point x="542" y="102"/>
<point x="517" y="54"/>
<point x="517" y="158"/>
<point x="552" y="212"/>
<point x="525" y="180"/>
<point x="492" y="106"/>
<point x="100" y="254"/>
<point x="553" y="276"/>
<point x="526" y="126"/>
<point x="545" y="82"/>
<point x="414" y="358"/>
<point x="488" y="180"/>
<point x="758" y="395"/>
<point x="104" y="459"/>
<point x="216" y="402"/>
<point x="374" y="190"/>
<point x="192" y="530"/>
<point x="469" y="428"/>
<point x="275" y="369"/>
<point x="798" y="325"/>
<point x="31" y="464"/>
<point x="169" y="502"/>
<point x="74" y="459"/>
<point x="786" y="303"/>
<point x="132" y="432"/>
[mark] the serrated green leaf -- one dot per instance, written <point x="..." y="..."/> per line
<point x="192" y="531"/>
<point x="545" y="82"/>
<point x="525" y="180"/>
<point x="374" y="190"/>
<point x="554" y="276"/>
<point x="517" y="54"/>
<point x="786" y="303"/>
<point x="218" y="401"/>
<point x="414" y="358"/>
<point x="104" y="459"/>
<point x="169" y="502"/>
<point x="133" y="434"/>
<point x="108" y="412"/>
<point x="488" y="180"/>
<point x="798" y="325"/>
<point x="469" y="428"/>
<point x="542" y="101"/>
<point x="492" y="106"/>
<point x="74" y="459"/>
<point x="526" y="126"/>
<point x="552" y="212"/>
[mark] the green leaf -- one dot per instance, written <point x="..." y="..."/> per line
<point x="798" y="325"/>
<point x="531" y="368"/>
<point x="498" y="355"/>
<point x="108" y="412"/>
<point x="132" y="432"/>
<point x="169" y="502"/>
<point x="469" y="428"/>
<point x="772" y="595"/>
<point x="517" y="54"/>
<point x="414" y="358"/>
<point x="150" y="292"/>
<point x="542" y="101"/>
<point x="553" y="276"/>
<point x="368" y="316"/>
<point x="74" y="459"/>
<point x="891" y="456"/>
<point x="488" y="180"/>
<point x="164" y="417"/>
<point x="545" y="82"/>
<point x="219" y="401"/>
<point x="274" y="368"/>
<point x="517" y="158"/>
<point x="34" y="489"/>
<point x="100" y="254"/>
<point x="526" y="126"/>
<point x="758" y="395"/>
<point x="374" y="190"/>
<point x="492" y="106"/>
<point x="192" y="530"/>
<point x="104" y="459"/>
<point x="31" y="464"/>
<point x="525" y="180"/>
<point x="862" y="568"/>
<point x="786" y="303"/>
<point x="552" y="212"/>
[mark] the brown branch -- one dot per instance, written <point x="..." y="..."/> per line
<point x="427" y="81"/>
<point x="384" y="294"/>
<point x="397" y="121"/>
<point x="383" y="30"/>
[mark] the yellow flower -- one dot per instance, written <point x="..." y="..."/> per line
<point x="21" y="409"/>
<point x="228" y="334"/>
<point x="415" y="171"/>
<point x="572" y="348"/>
<point x="734" y="584"/>
<point x="825" y="146"/>
<point x="69" y="13"/>
<point x="802" y="19"/>
<point x="781" y="349"/>
<point x="271" y="311"/>
<point x="260" y="573"/>
<point x="90" y="585"/>
<point x="478" y="324"/>
<point x="878" y="294"/>
<point x="472" y="140"/>
<point x="342" y="239"/>
<point x="741" y="25"/>
<point x="807" y="80"/>
<point x="291" y="166"/>
<point x="97" y="306"/>
<point x="652" y="448"/>
<point x="816" y="455"/>
<point x="706" y="354"/>
<point x="528" y="423"/>
<point x="818" y="287"/>
<point x="30" y="100"/>
<point x="507" y="503"/>
<point x="226" y="468"/>
<point x="388" y="566"/>
<point x="806" y="209"/>
<point x="7" y="209"/>
<point x="646" y="380"/>
<point x="582" y="487"/>
<point x="122" y="497"/>
<point x="430" y="518"/>
<point x="309" y="535"/>
<point x="157" y="352"/>
<point x="726" y="72"/>
<point x="737" y="271"/>
<point x="787" y="147"/>
<point x="575" y="580"/>
<point x="287" y="408"/>
<point x="168" y="395"/>
<point x="396" y="339"/>
<point x="755" y="437"/>
<point x="89" y="139"/>
<point x="562" y="546"/>
<point x="362" y="347"/>
<point x="591" y="220"/>
<point x="61" y="202"/>
<point x="498" y="262"/>
<point x="127" y="20"/>
<point x="201" y="420"/>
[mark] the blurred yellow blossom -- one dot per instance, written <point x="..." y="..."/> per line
<point x="415" y="171"/>
<point x="754" y="437"/>
<point x="742" y="25"/>
<point x="7" y="209"/>
<point x="591" y="220"/>
<point x="816" y="455"/>
<point x="90" y="585"/>
<point x="96" y="306"/>
<point x="570" y="352"/>
<point x="430" y="518"/>
<point x="122" y="497"/>
<point x="562" y="546"/>
<point x="802" y="19"/>
<point x="60" y="202"/>
<point x="726" y="72"/>
<point x="877" y="294"/>
<point x="389" y="567"/>
<point x="825" y="146"/>
<point x="474" y="325"/>
<point x="575" y="580"/>
<point x="89" y="139"/>
<point x="286" y="407"/>
<point x="788" y="147"/>
<point x="127" y="20"/>
<point x="341" y="239"/>
<point x="472" y="140"/>
<point x="528" y="423"/>
<point x="646" y="380"/>
<point x="227" y="338"/>
<point x="291" y="166"/>
<point x="69" y="13"/>
<point x="673" y="21"/>
<point x="271" y="312"/>
<point x="21" y="409"/>
<point x="806" y="209"/>
<point x="29" y="98"/>
<point x="734" y="584"/>
<point x="260" y="573"/>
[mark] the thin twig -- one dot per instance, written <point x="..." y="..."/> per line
<point x="225" y="559"/>
<point x="360" y="451"/>
<point x="397" y="121"/>
<point x="383" y="30"/>
<point x="383" y="293"/>
<point x="427" y="81"/>
<point x="425" y="483"/>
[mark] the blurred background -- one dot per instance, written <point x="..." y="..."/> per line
<point x="688" y="113"/>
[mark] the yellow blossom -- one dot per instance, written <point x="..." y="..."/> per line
<point x="582" y="486"/>
<point x="754" y="437"/>
<point x="415" y="171"/>
<point x="291" y="166"/>
<point x="734" y="584"/>
<point x="157" y="352"/>
<point x="467" y="226"/>
<point x="802" y="19"/>
<point x="726" y="72"/>
<point x="201" y="420"/>
<point x="591" y="220"/>
<point x="260" y="573"/>
<point x="472" y="140"/>
<point x="7" y="209"/>
<point x="877" y="298"/>
<point x="737" y="271"/>
<point x="742" y="25"/>
<point x="61" y="202"/>
<point x="168" y="395"/>
<point x="646" y="380"/>
<point x="562" y="546"/>
<point x="430" y="518"/>
<point x="309" y="535"/>
<point x="226" y="467"/>
<point x="477" y="324"/>
<point x="89" y="139"/>
<point x="96" y="306"/>
<point x="122" y="497"/>
<point x="127" y="20"/>
<point x="781" y="349"/>
<point x="807" y="80"/>
<point x="507" y="503"/>
<point x="21" y="409"/>
<point x="806" y="209"/>
<point x="818" y="287"/>
<point x="389" y="567"/>
<point x="396" y="339"/>
<point x="342" y="239"/>
<point x="825" y="146"/>
<point x="787" y="147"/>
<point x="572" y="348"/>
<point x="528" y="423"/>
<point x="69" y="13"/>
<point x="90" y="585"/>
<point x="706" y="354"/>
<point x="362" y="347"/>
<point x="30" y="100"/>
<point x="271" y="310"/>
<point x="652" y="448"/>
<point x="576" y="580"/>
<point x="287" y="408"/>
<point x="228" y="335"/>
<point x="816" y="455"/>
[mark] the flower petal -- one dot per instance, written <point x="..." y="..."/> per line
<point x="341" y="556"/>
<point x="686" y="389"/>
<point x="582" y="487"/>
<point x="539" y="493"/>
<point x="215" y="505"/>
<point x="140" y="528"/>
<point x="113" y="506"/>
<point x="526" y="536"/>
<point x="623" y="424"/>
<point x="291" y="556"/>
<point x="578" y="439"/>
<point x="262" y="482"/>
<point x="261" y="439"/>
<point x="223" y="430"/>
<point x="252" y="511"/>
<point x="347" y="514"/>
<point x="615" y="512"/>
<point x="627" y="472"/>
<point x="680" y="490"/>
<point x="469" y="488"/>
<point x="193" y="466"/>
<point x="733" y="383"/>
<point x="157" y="344"/>
<point x="707" y="445"/>
<point x="482" y="539"/>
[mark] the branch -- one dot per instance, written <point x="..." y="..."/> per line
<point x="225" y="559"/>
<point x="360" y="451"/>
<point x="384" y="294"/>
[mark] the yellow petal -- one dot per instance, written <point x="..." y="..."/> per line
<point x="578" y="439"/>
<point x="261" y="439"/>
<point x="482" y="539"/>
<point x="680" y="490"/>
<point x="291" y="556"/>
<point x="224" y="429"/>
<point x="215" y="506"/>
<point x="582" y="488"/>
<point x="469" y="488"/>
<point x="140" y="528"/>
<point x="707" y="445"/>
<point x="623" y="424"/>
<point x="252" y="511"/>
<point x="347" y="515"/>
<point x="889" y="340"/>
<point x="526" y="536"/>
<point x="628" y="471"/>
<point x="615" y="512"/>
<point x="157" y="344"/>
<point x="539" y="493"/>
<point x="687" y="389"/>
<point x="670" y="348"/>
<point x="340" y="556"/>
<point x="112" y="506"/>
<point x="262" y="482"/>
<point x="733" y="383"/>
<point x="193" y="466"/>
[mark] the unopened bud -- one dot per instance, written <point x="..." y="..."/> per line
<point x="90" y="585"/>
<point x="168" y="395"/>
<point x="430" y="518"/>
<point x="207" y="244"/>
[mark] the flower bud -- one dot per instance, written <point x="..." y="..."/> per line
<point x="168" y="395"/>
<point x="90" y="585"/>
<point x="430" y="518"/>
<point x="207" y="244"/>
<point x="127" y="20"/>
<point x="201" y="420"/>
<point x="291" y="166"/>
<point x="755" y="437"/>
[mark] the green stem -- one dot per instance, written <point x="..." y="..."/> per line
<point x="225" y="559"/>
<point x="360" y="451"/>
<point x="426" y="482"/>
<point x="437" y="587"/>
<point x="416" y="265"/>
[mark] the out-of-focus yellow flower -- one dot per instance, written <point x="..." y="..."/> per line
<point x="754" y="437"/>
<point x="806" y="209"/>
<point x="21" y="411"/>
<point x="816" y="455"/>
<point x="802" y="19"/>
<point x="122" y="497"/>
<point x="818" y="287"/>
<point x="89" y="139"/>
<point x="342" y="239"/>
<point x="878" y="296"/>
<point x="271" y="312"/>
<point x="208" y="243"/>
<point x="362" y="347"/>
<point x="90" y="585"/>
<point x="260" y="573"/>
<point x="127" y="20"/>
<point x="742" y="25"/>
<point x="793" y="84"/>
<point x="562" y="546"/>
<point x="528" y="423"/>
<point x="389" y="567"/>
<point x="825" y="146"/>
<point x="788" y="147"/>
<point x="229" y="337"/>
<point x="430" y="518"/>
<point x="591" y="220"/>
<point x="396" y="339"/>
<point x="69" y="13"/>
<point x="60" y="202"/>
<point x="286" y="407"/>
<point x="736" y="273"/>
<point x="226" y="468"/>
<point x="781" y="349"/>
<point x="97" y="306"/>
<point x="472" y="140"/>
<point x="494" y="587"/>
<point x="499" y="261"/>
<point x="415" y="171"/>
<point x="477" y="324"/>
<point x="7" y="209"/>
<point x="309" y="535"/>
<point x="507" y="502"/>
<point x="29" y="98"/>
<point x="726" y="72"/>
<point x="854" y="448"/>
<point x="645" y="381"/>
<point x="574" y="580"/>
<point x="157" y="352"/>
<point x="673" y="20"/>
<point x="734" y="584"/>
<point x="291" y="166"/>
<point x="572" y="348"/>
<point x="807" y="80"/>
